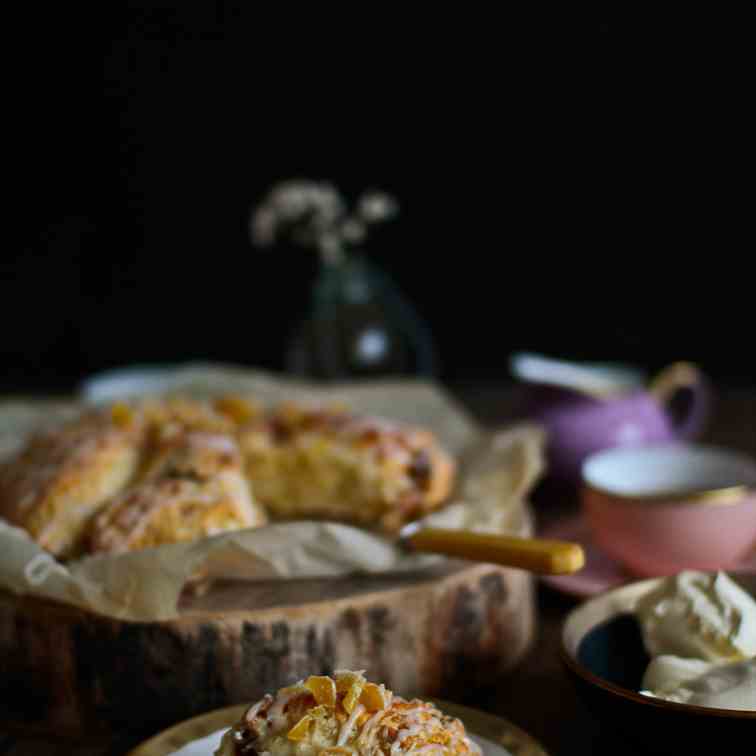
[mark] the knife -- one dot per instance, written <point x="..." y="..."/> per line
<point x="537" y="555"/>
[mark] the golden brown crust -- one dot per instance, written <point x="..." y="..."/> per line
<point x="176" y="413"/>
<point x="307" y="461"/>
<point x="192" y="486"/>
<point x="169" y="469"/>
<point x="64" y="475"/>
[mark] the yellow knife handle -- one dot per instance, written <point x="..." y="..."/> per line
<point x="538" y="555"/>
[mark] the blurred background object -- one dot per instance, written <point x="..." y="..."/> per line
<point x="590" y="407"/>
<point x="359" y="325"/>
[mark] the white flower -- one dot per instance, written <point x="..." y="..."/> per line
<point x="263" y="226"/>
<point x="353" y="231"/>
<point x="314" y="206"/>
<point x="314" y="213"/>
<point x="377" y="206"/>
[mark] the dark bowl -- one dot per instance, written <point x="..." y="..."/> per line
<point x="603" y="651"/>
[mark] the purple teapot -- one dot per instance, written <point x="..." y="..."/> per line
<point x="589" y="407"/>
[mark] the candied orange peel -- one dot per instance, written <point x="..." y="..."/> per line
<point x="237" y="408"/>
<point x="345" y="715"/>
<point x="352" y="685"/>
<point x="301" y="729"/>
<point x="375" y="697"/>
<point x="122" y="415"/>
<point x="322" y="688"/>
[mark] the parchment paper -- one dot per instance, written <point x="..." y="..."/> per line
<point x="497" y="471"/>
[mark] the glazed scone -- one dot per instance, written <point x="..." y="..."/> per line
<point x="343" y="715"/>
<point x="177" y="413"/>
<point x="192" y="485"/>
<point x="314" y="462"/>
<point x="62" y="476"/>
<point x="166" y="469"/>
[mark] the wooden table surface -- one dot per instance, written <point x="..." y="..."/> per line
<point x="537" y="695"/>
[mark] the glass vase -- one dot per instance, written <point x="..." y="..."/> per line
<point x="360" y="326"/>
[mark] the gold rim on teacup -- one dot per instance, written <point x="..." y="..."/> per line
<point x="710" y="497"/>
<point x="728" y="477"/>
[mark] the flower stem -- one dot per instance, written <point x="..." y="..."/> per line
<point x="331" y="249"/>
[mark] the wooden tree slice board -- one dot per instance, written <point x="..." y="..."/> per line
<point x="73" y="674"/>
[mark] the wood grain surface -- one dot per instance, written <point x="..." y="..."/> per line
<point x="78" y="675"/>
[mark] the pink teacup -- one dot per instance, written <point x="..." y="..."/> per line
<point x="662" y="508"/>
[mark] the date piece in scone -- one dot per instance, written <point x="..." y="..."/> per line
<point x="192" y="485"/>
<point x="62" y="476"/>
<point x="343" y="715"/>
<point x="305" y="461"/>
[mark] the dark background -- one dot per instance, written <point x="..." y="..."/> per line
<point x="554" y="197"/>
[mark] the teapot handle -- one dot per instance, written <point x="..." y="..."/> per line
<point x="684" y="376"/>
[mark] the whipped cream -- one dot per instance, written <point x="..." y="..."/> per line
<point x="723" y="686"/>
<point x="665" y="673"/>
<point x="700" y="616"/>
<point x="701" y="630"/>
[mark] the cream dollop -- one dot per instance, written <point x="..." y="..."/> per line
<point x="699" y="615"/>
<point x="665" y="673"/>
<point x="701" y="630"/>
<point x="723" y="686"/>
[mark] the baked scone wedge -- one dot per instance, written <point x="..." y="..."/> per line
<point x="326" y="463"/>
<point x="167" y="414"/>
<point x="192" y="485"/>
<point x="344" y="715"/>
<point x="63" y="475"/>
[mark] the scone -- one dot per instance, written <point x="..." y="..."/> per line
<point x="314" y="462"/>
<point x="343" y="715"/>
<point x="162" y="470"/>
<point x="55" y="483"/>
<point x="172" y="413"/>
<point x="192" y="485"/>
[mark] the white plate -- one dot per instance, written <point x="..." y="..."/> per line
<point x="206" y="746"/>
<point x="200" y="735"/>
